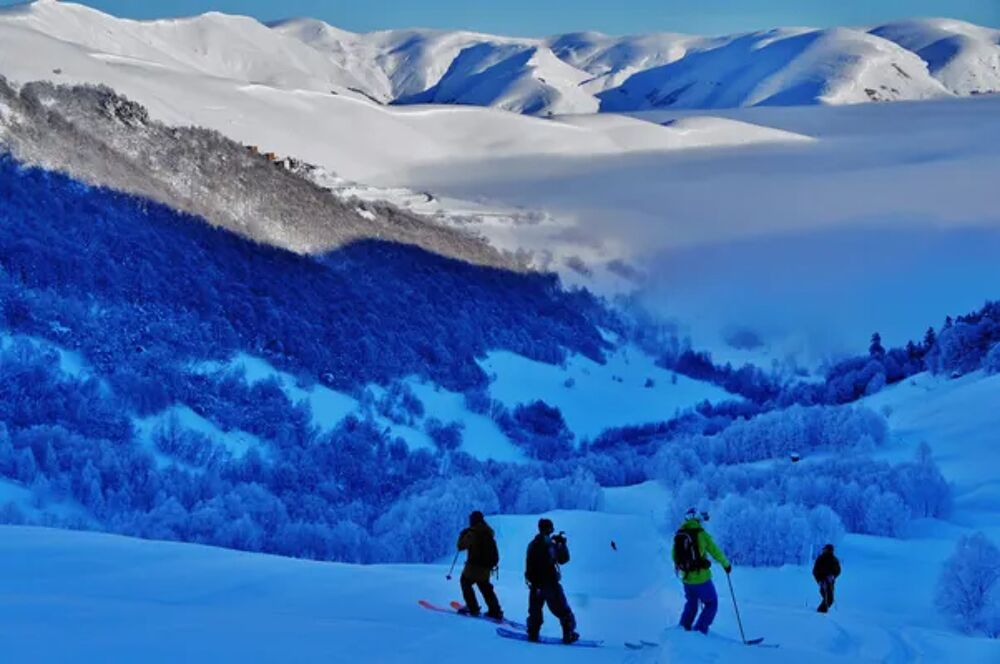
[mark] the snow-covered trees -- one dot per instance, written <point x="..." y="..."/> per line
<point x="968" y="591"/>
<point x="400" y="404"/>
<point x="172" y="288"/>
<point x="922" y="486"/>
<point x="143" y="293"/>
<point x="577" y="491"/>
<point x="865" y="496"/>
<point x="351" y="493"/>
<point x="423" y="527"/>
<point x="766" y="534"/>
<point x="540" y="429"/>
<point x="961" y="346"/>
<point x="447" y="437"/>
<point x="965" y="344"/>
<point x="774" y="434"/>
<point x="992" y="362"/>
<point x="534" y="497"/>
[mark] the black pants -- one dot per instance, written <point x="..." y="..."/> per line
<point x="550" y="595"/>
<point x="826" y="592"/>
<point x="489" y="595"/>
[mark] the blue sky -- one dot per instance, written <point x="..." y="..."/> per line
<point x="541" y="17"/>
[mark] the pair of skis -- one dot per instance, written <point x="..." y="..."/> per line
<point x="508" y="629"/>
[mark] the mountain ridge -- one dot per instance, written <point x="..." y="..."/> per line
<point x="579" y="72"/>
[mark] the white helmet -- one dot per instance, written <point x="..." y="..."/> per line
<point x="695" y="514"/>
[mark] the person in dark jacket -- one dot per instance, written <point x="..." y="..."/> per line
<point x="826" y="569"/>
<point x="545" y="554"/>
<point x="479" y="540"/>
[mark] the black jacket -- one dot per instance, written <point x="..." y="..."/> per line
<point x="544" y="558"/>
<point x="477" y="540"/>
<point x="826" y="566"/>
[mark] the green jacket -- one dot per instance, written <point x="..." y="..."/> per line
<point x="706" y="547"/>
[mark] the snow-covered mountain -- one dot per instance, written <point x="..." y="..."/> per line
<point x="612" y="60"/>
<point x="442" y="67"/>
<point x="965" y="58"/>
<point x="570" y="73"/>
<point x="213" y="44"/>
<point x="908" y="60"/>
<point x="780" y="68"/>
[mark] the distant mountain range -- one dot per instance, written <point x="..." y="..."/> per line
<point x="571" y="73"/>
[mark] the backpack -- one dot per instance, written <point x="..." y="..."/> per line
<point x="540" y="568"/>
<point x="491" y="554"/>
<point x="687" y="556"/>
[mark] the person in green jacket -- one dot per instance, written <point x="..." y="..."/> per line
<point x="691" y="544"/>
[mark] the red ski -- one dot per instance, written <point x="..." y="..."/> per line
<point x="455" y="606"/>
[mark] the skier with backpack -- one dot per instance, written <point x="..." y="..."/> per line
<point x="691" y="544"/>
<point x="826" y="569"/>
<point x="546" y="553"/>
<point x="483" y="558"/>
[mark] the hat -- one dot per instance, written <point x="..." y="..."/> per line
<point x="545" y="526"/>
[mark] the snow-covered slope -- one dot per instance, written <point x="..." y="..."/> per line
<point x="965" y="58"/>
<point x="398" y="63"/>
<point x="104" y="139"/>
<point x="611" y="60"/>
<point x="213" y="44"/>
<point x="108" y="598"/>
<point x="523" y="79"/>
<point x="353" y="52"/>
<point x="957" y="418"/>
<point x="780" y="67"/>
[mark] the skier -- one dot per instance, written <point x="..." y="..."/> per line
<point x="691" y="543"/>
<point x="478" y="539"/>
<point x="545" y="554"/>
<point x="826" y="569"/>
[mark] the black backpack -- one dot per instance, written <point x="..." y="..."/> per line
<point x="491" y="554"/>
<point x="687" y="556"/>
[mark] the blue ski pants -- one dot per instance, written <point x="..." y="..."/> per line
<point x="705" y="595"/>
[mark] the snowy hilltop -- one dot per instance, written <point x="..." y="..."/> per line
<point x="571" y="73"/>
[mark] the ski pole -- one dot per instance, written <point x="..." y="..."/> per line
<point x="453" y="562"/>
<point x="739" y="621"/>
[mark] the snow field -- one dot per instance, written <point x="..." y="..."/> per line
<point x="595" y="397"/>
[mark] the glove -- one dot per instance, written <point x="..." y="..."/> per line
<point x="728" y="568"/>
